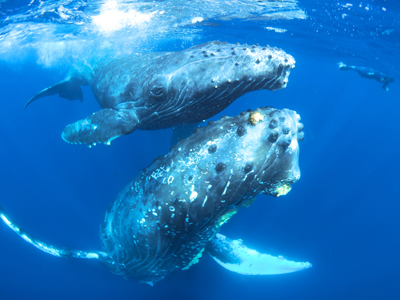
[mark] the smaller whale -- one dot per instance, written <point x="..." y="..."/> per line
<point x="166" y="218"/>
<point x="160" y="90"/>
<point x="368" y="73"/>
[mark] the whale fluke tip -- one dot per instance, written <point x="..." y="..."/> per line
<point x="69" y="89"/>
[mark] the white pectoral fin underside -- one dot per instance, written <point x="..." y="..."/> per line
<point x="236" y="257"/>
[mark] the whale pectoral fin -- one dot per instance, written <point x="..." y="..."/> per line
<point x="69" y="89"/>
<point x="236" y="257"/>
<point x="48" y="248"/>
<point x="101" y="127"/>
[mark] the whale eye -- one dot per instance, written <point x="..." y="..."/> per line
<point x="157" y="87"/>
<point x="157" y="90"/>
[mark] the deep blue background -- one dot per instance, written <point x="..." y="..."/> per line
<point x="342" y="216"/>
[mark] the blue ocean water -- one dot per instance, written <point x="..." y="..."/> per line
<point x="342" y="215"/>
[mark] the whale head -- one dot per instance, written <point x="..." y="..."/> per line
<point x="270" y="149"/>
<point x="257" y="151"/>
<point x="194" y="84"/>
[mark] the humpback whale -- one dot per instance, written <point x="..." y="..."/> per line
<point x="166" y="89"/>
<point x="171" y="214"/>
<point x="368" y="73"/>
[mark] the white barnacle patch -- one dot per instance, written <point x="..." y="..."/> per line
<point x="245" y="177"/>
<point x="157" y="174"/>
<point x="294" y="145"/>
<point x="193" y="196"/>
<point x="86" y="124"/>
<point x="283" y="190"/>
<point x="204" y="202"/>
<point x="226" y="187"/>
<point x="137" y="186"/>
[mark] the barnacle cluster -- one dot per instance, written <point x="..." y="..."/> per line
<point x="283" y="190"/>
<point x="255" y="117"/>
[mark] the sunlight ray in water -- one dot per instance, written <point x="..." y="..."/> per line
<point x="75" y="25"/>
<point x="112" y="18"/>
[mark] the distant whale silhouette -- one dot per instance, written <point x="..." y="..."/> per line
<point x="172" y="212"/>
<point x="161" y="90"/>
<point x="369" y="73"/>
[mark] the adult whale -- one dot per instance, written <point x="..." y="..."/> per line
<point x="172" y="212"/>
<point x="161" y="90"/>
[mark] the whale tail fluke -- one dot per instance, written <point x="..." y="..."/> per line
<point x="69" y="89"/>
<point x="50" y="249"/>
<point x="236" y="257"/>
